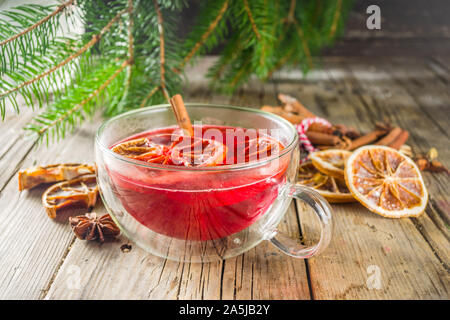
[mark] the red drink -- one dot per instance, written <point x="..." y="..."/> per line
<point x="201" y="204"/>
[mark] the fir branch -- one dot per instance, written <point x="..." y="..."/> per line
<point x="130" y="31"/>
<point x="161" y="49"/>
<point x="23" y="49"/>
<point x="42" y="124"/>
<point x="58" y="10"/>
<point x="317" y="11"/>
<point x="127" y="82"/>
<point x="267" y="44"/>
<point x="337" y="13"/>
<point x="94" y="40"/>
<point x="281" y="62"/>
<point x="55" y="82"/>
<point x="231" y="51"/>
<point x="150" y="94"/>
<point x="250" y="17"/>
<point x="203" y="37"/>
<point x="237" y="79"/>
<point x="264" y="36"/>
<point x="304" y="43"/>
<point x="290" y="17"/>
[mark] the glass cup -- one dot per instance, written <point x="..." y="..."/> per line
<point x="202" y="214"/>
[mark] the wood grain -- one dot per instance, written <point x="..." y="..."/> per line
<point x="408" y="265"/>
<point x="33" y="246"/>
<point x="41" y="259"/>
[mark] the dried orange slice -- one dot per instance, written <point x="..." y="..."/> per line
<point x="386" y="182"/>
<point x="141" y="149"/>
<point x="32" y="177"/>
<point x="330" y="162"/>
<point x="332" y="189"/>
<point x="261" y="147"/>
<point x="80" y="191"/>
<point x="184" y="150"/>
<point x="192" y="151"/>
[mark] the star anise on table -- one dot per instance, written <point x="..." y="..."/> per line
<point x="91" y="227"/>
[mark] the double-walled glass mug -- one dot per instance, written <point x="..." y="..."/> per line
<point x="200" y="213"/>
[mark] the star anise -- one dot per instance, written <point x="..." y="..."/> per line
<point x="90" y="227"/>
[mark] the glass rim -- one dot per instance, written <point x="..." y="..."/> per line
<point x="228" y="167"/>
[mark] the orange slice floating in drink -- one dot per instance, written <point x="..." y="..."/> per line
<point x="330" y="162"/>
<point x="386" y="182"/>
<point x="332" y="189"/>
<point x="261" y="147"/>
<point x="184" y="151"/>
<point x="192" y="151"/>
<point x="142" y="149"/>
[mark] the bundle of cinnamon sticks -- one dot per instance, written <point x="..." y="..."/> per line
<point x="338" y="136"/>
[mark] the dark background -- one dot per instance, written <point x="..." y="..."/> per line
<point x="408" y="28"/>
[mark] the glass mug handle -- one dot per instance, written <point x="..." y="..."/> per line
<point x="322" y="209"/>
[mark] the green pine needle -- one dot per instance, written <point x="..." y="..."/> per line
<point x="127" y="59"/>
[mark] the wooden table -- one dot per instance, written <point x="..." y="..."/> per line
<point x="41" y="258"/>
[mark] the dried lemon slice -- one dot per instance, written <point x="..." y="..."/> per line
<point x="80" y="191"/>
<point x="332" y="189"/>
<point x="386" y="182"/>
<point x="32" y="177"/>
<point x="330" y="162"/>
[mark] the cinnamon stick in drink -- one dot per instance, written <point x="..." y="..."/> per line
<point x="181" y="114"/>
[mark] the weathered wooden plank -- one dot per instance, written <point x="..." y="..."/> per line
<point x="408" y="266"/>
<point x="443" y="60"/>
<point x="264" y="272"/>
<point x="429" y="91"/>
<point x="413" y="92"/>
<point x="136" y="274"/>
<point x="146" y="276"/>
<point x="13" y="146"/>
<point x="196" y="280"/>
<point x="429" y="95"/>
<point x="94" y="271"/>
<point x="365" y="246"/>
<point x="31" y="245"/>
<point x="420" y="104"/>
<point x="38" y="254"/>
<point x="440" y="67"/>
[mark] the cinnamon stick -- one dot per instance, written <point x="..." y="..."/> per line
<point x="399" y="140"/>
<point x="293" y="118"/>
<point x="343" y="130"/>
<point x="367" y="139"/>
<point x="295" y="106"/>
<point x="318" y="127"/>
<point x="181" y="114"/>
<point x="319" y="138"/>
<point x="390" y="137"/>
